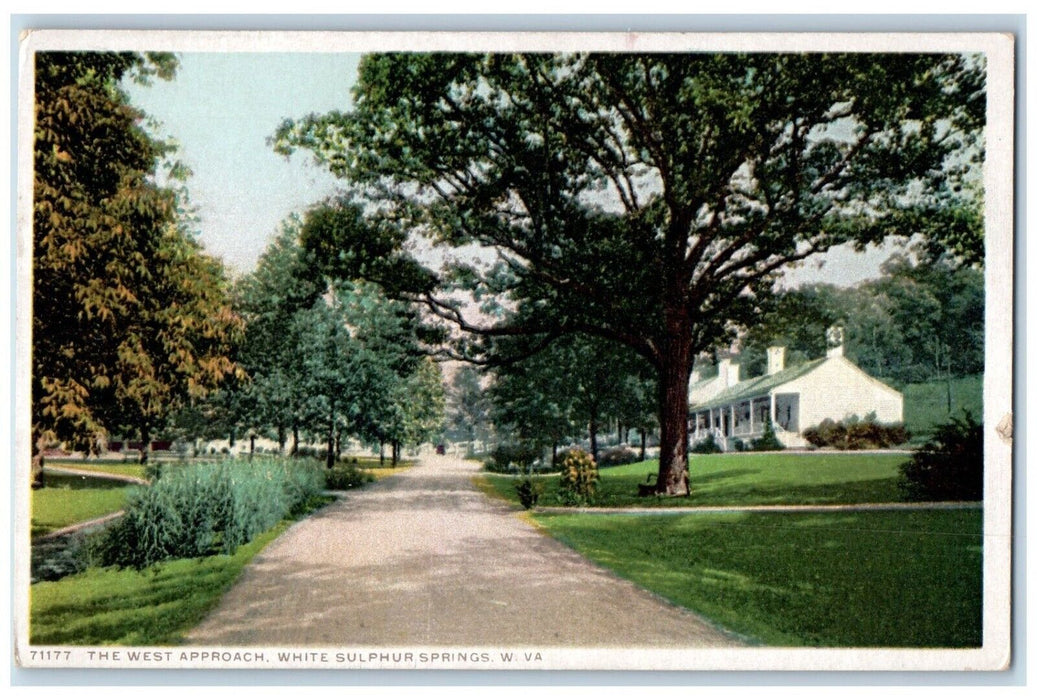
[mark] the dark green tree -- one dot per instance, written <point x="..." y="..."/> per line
<point x="646" y="199"/>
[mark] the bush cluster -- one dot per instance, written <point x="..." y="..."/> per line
<point x="949" y="467"/>
<point x="510" y="458"/>
<point x="345" y="476"/>
<point x="706" y="446"/>
<point x="768" y="442"/>
<point x="856" y="434"/>
<point x="579" y="478"/>
<point x="207" y="508"/>
<point x="615" y="456"/>
<point x="529" y="492"/>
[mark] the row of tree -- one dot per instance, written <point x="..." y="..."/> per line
<point x="921" y="321"/>
<point x="138" y="333"/>
<point x="335" y="361"/>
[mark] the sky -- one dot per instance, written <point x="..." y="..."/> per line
<point x="222" y="107"/>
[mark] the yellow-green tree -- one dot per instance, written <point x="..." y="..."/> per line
<point x="128" y="315"/>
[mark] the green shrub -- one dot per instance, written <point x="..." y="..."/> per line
<point x="529" y="492"/>
<point x="579" y="478"/>
<point x="345" y="476"/>
<point x="707" y="446"/>
<point x="768" y="442"/>
<point x="616" y="456"/>
<point x="856" y="434"/>
<point x="511" y="458"/>
<point x="949" y="467"/>
<point x="203" y="509"/>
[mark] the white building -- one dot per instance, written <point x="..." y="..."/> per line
<point x="795" y="398"/>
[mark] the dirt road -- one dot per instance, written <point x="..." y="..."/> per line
<point x="424" y="558"/>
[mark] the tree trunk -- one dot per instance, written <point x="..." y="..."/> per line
<point x="251" y="447"/>
<point x="330" y="458"/>
<point x="145" y="442"/>
<point x="395" y="452"/>
<point x="593" y="430"/>
<point x="282" y="438"/>
<point x="644" y="443"/>
<point x="673" y="408"/>
<point x="295" y="441"/>
<point x="36" y="470"/>
<point x="381" y="453"/>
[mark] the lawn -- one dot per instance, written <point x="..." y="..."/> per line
<point x="925" y="405"/>
<point x="746" y="479"/>
<point x="869" y="579"/>
<point x="66" y="500"/>
<point x="104" y="467"/>
<point x="156" y="606"/>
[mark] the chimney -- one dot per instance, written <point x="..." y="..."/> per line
<point x="728" y="372"/>
<point x="775" y="359"/>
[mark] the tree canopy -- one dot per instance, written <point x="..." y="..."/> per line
<point x="648" y="199"/>
<point x="129" y="316"/>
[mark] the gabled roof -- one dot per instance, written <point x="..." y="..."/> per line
<point x="757" y="386"/>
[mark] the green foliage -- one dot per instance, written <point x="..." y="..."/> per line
<point x="131" y="318"/>
<point x="154" y="607"/>
<point x="856" y="434"/>
<point x="926" y="405"/>
<point x="511" y="457"/>
<point x="921" y="321"/>
<point x="949" y="467"/>
<point x="345" y="476"/>
<point x="616" y="456"/>
<point x="706" y="446"/>
<point x="768" y="442"/>
<point x="204" y="508"/>
<point x="529" y="492"/>
<point x="647" y="199"/>
<point x="579" y="480"/>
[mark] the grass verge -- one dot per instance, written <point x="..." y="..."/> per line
<point x="869" y="579"/>
<point x="746" y="479"/>
<point x="155" y="606"/>
<point x="109" y="467"/>
<point x="66" y="500"/>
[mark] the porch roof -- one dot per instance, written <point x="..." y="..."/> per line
<point x="757" y="386"/>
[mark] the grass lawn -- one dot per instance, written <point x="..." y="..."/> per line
<point x="156" y="606"/>
<point x="925" y="405"/>
<point x="906" y="578"/>
<point x="108" y="467"/>
<point x="746" y="479"/>
<point x="382" y="472"/>
<point x="72" y="499"/>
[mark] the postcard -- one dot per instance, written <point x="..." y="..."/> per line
<point x="507" y="351"/>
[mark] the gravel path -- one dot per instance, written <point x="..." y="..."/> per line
<point x="424" y="558"/>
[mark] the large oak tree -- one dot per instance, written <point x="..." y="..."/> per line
<point x="650" y="199"/>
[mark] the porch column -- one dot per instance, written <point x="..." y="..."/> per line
<point x="732" y="426"/>
<point x="774" y="410"/>
<point x="752" y="417"/>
